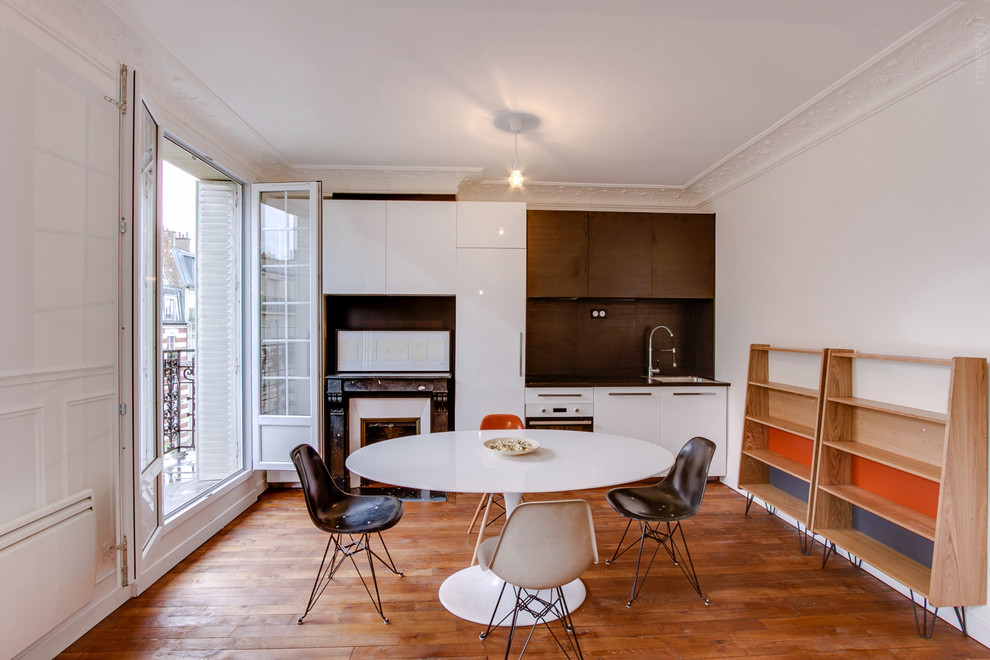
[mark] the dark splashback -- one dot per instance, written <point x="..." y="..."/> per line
<point x="563" y="339"/>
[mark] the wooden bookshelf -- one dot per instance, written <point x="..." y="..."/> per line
<point x="923" y="471"/>
<point x="780" y="432"/>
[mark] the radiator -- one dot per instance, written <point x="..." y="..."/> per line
<point x="47" y="570"/>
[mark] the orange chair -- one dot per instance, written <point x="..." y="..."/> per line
<point x="492" y="422"/>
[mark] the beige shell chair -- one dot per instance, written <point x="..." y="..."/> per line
<point x="543" y="546"/>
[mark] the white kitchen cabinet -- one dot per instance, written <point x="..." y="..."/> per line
<point x="354" y="246"/>
<point x="389" y="247"/>
<point x="628" y="411"/>
<point x="491" y="225"/>
<point x="491" y="319"/>
<point x="420" y="248"/>
<point x="689" y="411"/>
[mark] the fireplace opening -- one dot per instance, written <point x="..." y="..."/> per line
<point x="372" y="419"/>
<point x="376" y="430"/>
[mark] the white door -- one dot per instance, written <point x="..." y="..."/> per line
<point x="288" y="316"/>
<point x="149" y="462"/>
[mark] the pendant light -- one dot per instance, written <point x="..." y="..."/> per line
<point x="516" y="123"/>
<point x="516" y="177"/>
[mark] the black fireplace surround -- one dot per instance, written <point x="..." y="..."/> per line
<point x="341" y="388"/>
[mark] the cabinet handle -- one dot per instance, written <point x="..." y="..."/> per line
<point x="521" y="353"/>
<point x="630" y="393"/>
<point x="551" y="396"/>
<point x="694" y="393"/>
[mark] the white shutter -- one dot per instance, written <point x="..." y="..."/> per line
<point x="217" y="322"/>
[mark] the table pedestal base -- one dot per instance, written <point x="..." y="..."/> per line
<point x="471" y="594"/>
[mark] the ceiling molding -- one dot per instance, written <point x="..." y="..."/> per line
<point x="949" y="41"/>
<point x="384" y="180"/>
<point x="952" y="39"/>
<point x="101" y="33"/>
<point x="543" y="194"/>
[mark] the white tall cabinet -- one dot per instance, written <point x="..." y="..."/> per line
<point x="491" y="311"/>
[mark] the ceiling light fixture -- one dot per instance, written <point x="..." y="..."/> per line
<point x="516" y="177"/>
<point x="515" y="123"/>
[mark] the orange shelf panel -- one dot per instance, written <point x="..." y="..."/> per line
<point x="906" y="489"/>
<point x="792" y="446"/>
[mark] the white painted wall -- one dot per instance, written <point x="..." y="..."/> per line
<point x="875" y="240"/>
<point x="59" y="365"/>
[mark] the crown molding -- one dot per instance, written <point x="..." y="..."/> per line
<point x="101" y="34"/>
<point x="384" y="180"/>
<point x="947" y="42"/>
<point x="547" y="195"/>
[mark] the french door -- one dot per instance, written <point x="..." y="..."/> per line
<point x="288" y="319"/>
<point x="148" y="491"/>
<point x="188" y="435"/>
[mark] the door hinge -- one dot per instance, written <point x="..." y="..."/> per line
<point x="122" y="103"/>
<point x="122" y="409"/>
<point x="123" y="226"/>
<point x="122" y="547"/>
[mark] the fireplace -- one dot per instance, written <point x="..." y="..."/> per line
<point x="373" y="419"/>
<point x="362" y="409"/>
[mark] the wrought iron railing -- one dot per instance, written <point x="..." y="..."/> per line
<point x="179" y="399"/>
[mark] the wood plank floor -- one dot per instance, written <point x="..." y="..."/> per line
<point x="239" y="595"/>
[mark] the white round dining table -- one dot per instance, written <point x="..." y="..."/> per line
<point x="458" y="461"/>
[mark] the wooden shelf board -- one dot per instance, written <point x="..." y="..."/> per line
<point x="782" y="463"/>
<point x="786" y="502"/>
<point x="902" y="411"/>
<point x="898" y="514"/>
<point x="790" y="389"/>
<point x="780" y="349"/>
<point x="907" y="464"/>
<point x="784" y="425"/>
<point x="903" y="569"/>
<point x="895" y="358"/>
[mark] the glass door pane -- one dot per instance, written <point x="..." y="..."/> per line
<point x="148" y="486"/>
<point x="286" y="307"/>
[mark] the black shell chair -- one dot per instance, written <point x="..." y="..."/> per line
<point x="660" y="508"/>
<point x="341" y="514"/>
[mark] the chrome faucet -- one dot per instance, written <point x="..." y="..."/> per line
<point x="650" y="369"/>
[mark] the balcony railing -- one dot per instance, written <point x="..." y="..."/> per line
<point x="179" y="399"/>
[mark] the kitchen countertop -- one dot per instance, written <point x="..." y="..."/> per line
<point x="619" y="381"/>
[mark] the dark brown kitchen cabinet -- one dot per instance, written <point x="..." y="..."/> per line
<point x="580" y="254"/>
<point x="620" y="254"/>
<point x="557" y="254"/>
<point x="683" y="255"/>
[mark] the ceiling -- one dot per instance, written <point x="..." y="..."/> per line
<point x="648" y="94"/>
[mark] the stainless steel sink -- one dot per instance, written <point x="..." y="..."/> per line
<point x="678" y="379"/>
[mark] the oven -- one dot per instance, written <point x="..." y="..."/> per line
<point x="563" y="408"/>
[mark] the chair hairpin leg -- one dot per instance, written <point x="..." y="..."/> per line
<point x="491" y="623"/>
<point x="342" y="551"/>
<point x="540" y="609"/>
<point x="680" y="558"/>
